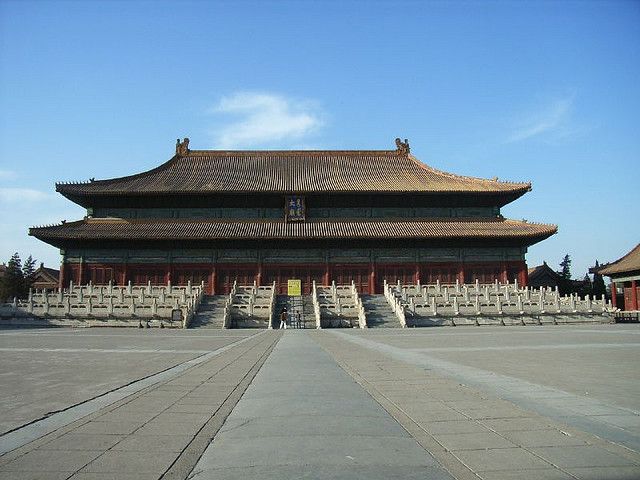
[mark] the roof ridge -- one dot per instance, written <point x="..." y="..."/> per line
<point x="198" y="153"/>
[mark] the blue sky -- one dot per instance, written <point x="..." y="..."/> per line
<point x="546" y="92"/>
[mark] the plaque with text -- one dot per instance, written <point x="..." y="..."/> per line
<point x="294" y="208"/>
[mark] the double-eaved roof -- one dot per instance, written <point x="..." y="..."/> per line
<point x="212" y="173"/>
<point x="349" y="171"/>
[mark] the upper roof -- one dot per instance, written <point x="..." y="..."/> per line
<point x="289" y="171"/>
<point x="234" y="229"/>
<point x="629" y="263"/>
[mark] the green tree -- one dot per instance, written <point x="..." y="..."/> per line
<point x="28" y="271"/>
<point x="565" y="285"/>
<point x="12" y="283"/>
<point x="586" y="288"/>
<point x="566" y="267"/>
<point x="599" y="288"/>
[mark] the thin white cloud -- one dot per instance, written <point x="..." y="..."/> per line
<point x="265" y="119"/>
<point x="553" y="119"/>
<point x="7" y="174"/>
<point x="14" y="194"/>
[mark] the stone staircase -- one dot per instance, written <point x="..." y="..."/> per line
<point x="302" y="304"/>
<point x="210" y="312"/>
<point x="308" y="317"/>
<point x="379" y="313"/>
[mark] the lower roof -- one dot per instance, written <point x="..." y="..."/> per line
<point x="242" y="229"/>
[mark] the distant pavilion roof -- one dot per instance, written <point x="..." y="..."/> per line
<point x="629" y="263"/>
<point x="232" y="229"/>
<point x="303" y="171"/>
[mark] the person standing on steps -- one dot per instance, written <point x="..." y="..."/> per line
<point x="283" y="318"/>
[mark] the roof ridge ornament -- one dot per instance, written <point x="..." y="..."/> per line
<point x="182" y="148"/>
<point x="403" y="147"/>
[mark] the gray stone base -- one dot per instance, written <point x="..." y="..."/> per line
<point x="507" y="320"/>
<point x="86" y="322"/>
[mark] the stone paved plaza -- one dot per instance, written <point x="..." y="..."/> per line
<point x="545" y="402"/>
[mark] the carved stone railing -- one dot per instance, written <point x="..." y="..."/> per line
<point x="162" y="303"/>
<point x="491" y="300"/>
<point x="316" y="306"/>
<point x="250" y="303"/>
<point x="362" y="316"/>
<point x="272" y="305"/>
<point x="395" y="304"/>
<point x="338" y="304"/>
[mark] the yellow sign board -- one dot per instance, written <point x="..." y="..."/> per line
<point x="294" y="288"/>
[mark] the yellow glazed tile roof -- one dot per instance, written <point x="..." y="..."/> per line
<point x="125" y="229"/>
<point x="629" y="263"/>
<point x="212" y="171"/>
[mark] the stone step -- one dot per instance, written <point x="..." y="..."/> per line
<point x="378" y="312"/>
<point x="210" y="311"/>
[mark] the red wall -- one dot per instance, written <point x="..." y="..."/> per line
<point x="219" y="278"/>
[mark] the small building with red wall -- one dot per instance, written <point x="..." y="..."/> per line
<point x="350" y="215"/>
<point x="625" y="280"/>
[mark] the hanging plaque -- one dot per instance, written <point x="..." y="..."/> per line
<point x="294" y="208"/>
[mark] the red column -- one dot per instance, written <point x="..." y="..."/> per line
<point x="523" y="276"/>
<point x="634" y="295"/>
<point x="327" y="274"/>
<point x="80" y="268"/>
<point x="417" y="276"/>
<point x="214" y="279"/>
<point x="63" y="272"/>
<point x="614" y="294"/>
<point x="167" y="275"/>
<point x="372" y="278"/>
<point x="124" y="275"/>
<point x="461" y="273"/>
<point x="504" y="274"/>
<point x="259" y="275"/>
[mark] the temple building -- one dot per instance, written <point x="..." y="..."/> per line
<point x="625" y="280"/>
<point x="270" y="216"/>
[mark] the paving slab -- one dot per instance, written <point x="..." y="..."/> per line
<point x="79" y="441"/>
<point x="52" y="461"/>
<point x="581" y="456"/>
<point x="276" y="431"/>
<point x="151" y="443"/>
<point x="130" y="462"/>
<point x="501" y="459"/>
<point x="473" y="441"/>
<point x="544" y="438"/>
<point x="523" y="474"/>
<point x="608" y="473"/>
<point x="324" y="472"/>
<point x="34" y="476"/>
